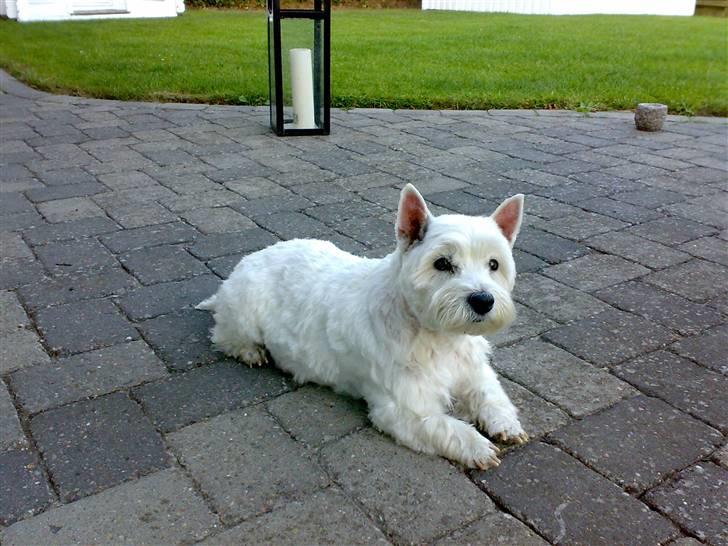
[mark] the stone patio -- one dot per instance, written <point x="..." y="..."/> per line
<point x="120" y="425"/>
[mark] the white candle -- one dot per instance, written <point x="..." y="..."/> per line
<point x="302" y="89"/>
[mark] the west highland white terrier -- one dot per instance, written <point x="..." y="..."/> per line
<point x="403" y="332"/>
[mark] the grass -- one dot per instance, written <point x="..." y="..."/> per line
<point x="390" y="58"/>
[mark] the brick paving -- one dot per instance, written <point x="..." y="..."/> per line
<point x="119" y="424"/>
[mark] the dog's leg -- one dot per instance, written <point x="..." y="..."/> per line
<point x="438" y="434"/>
<point x="234" y="340"/>
<point x="490" y="408"/>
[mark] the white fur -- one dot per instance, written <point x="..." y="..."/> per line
<point x="395" y="331"/>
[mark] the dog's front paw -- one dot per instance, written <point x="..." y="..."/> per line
<point x="481" y="454"/>
<point x="516" y="439"/>
<point x="503" y="426"/>
<point x="254" y="355"/>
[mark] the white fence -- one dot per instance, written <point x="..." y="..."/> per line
<point x="568" y="7"/>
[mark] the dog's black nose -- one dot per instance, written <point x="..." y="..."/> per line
<point x="481" y="302"/>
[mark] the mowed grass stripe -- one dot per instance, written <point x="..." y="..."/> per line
<point x="390" y="58"/>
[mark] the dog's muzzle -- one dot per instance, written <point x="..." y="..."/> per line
<point x="481" y="302"/>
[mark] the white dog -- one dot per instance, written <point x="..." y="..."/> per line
<point x="403" y="332"/>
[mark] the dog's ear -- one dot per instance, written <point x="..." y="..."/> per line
<point x="508" y="216"/>
<point x="412" y="217"/>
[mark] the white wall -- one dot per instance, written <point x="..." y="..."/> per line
<point x="568" y="7"/>
<point x="55" y="10"/>
<point x="8" y="9"/>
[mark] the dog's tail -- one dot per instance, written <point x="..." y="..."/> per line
<point x="208" y="304"/>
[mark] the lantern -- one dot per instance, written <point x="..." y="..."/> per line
<point x="299" y="67"/>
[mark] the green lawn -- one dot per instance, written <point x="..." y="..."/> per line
<point x="395" y="58"/>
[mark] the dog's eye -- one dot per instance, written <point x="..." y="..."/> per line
<point x="493" y="264"/>
<point x="443" y="264"/>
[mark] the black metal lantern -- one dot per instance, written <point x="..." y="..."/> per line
<point x="299" y="66"/>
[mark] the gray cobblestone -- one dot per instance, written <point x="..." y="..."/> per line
<point x="503" y="528"/>
<point x="560" y="377"/>
<point x="610" y="337"/>
<point x="633" y="171"/>
<point x="707" y="280"/>
<point x="530" y="323"/>
<point x="150" y="236"/>
<point x="245" y="464"/>
<point x="537" y="416"/>
<point x="224" y="265"/>
<point x="217" y="220"/>
<point x="68" y="210"/>
<point x="372" y="232"/>
<point x="625" y="212"/>
<point x="230" y="161"/>
<point x="82" y="326"/>
<point x="92" y="445"/>
<point x="183" y="399"/>
<point x="132" y="196"/>
<point x="693" y="499"/>
<point x="126" y="179"/>
<point x="186" y="183"/>
<point x="720" y="456"/>
<point x="708" y="248"/>
<point x="15" y="273"/>
<point x="15" y="203"/>
<point x="71" y="287"/>
<point x="139" y="215"/>
<point x="24" y="489"/>
<point x="654" y="198"/>
<point x="20" y="349"/>
<point x="655" y="440"/>
<point x="49" y="233"/>
<point x="85" y="375"/>
<point x="672" y="231"/>
<point x="150" y="301"/>
<point x="271" y="205"/>
<point x="316" y="415"/>
<point x="527" y="263"/>
<point x="222" y="244"/>
<point x="11" y="435"/>
<point x="572" y="193"/>
<point x="575" y="505"/>
<point x="293" y="225"/>
<point x="218" y="198"/>
<point x="495" y="188"/>
<point x="84" y="189"/>
<point x="461" y="202"/>
<point x="181" y="339"/>
<point x="399" y="495"/>
<point x="69" y="256"/>
<point x="590" y="273"/>
<point x="552" y="248"/>
<point x="681" y="383"/>
<point x="161" y="508"/>
<point x="555" y="300"/>
<point x="707" y="349"/>
<point x="12" y="314"/>
<point x="637" y="249"/>
<point x="325" y="517"/>
<point x="581" y="225"/>
<point x="14" y="222"/>
<point x="336" y="213"/>
<point x="660" y="306"/>
<point x="12" y="246"/>
<point x="162" y="264"/>
<point x="256" y="187"/>
<point x="568" y="166"/>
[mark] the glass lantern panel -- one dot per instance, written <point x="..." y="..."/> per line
<point x="303" y="77"/>
<point x="271" y="66"/>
